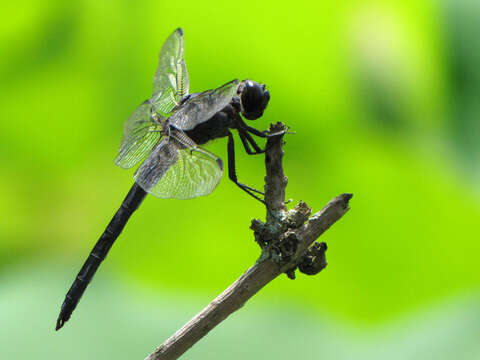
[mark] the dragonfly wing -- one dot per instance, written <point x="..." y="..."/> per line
<point x="178" y="168"/>
<point x="170" y="83"/>
<point x="141" y="133"/>
<point x="203" y="106"/>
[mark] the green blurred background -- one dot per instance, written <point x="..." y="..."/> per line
<point x="384" y="99"/>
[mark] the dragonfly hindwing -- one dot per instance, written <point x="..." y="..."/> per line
<point x="178" y="168"/>
<point x="141" y="133"/>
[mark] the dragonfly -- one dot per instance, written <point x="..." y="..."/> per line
<point x="166" y="132"/>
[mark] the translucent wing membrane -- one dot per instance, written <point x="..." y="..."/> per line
<point x="175" y="166"/>
<point x="170" y="84"/>
<point x="179" y="169"/>
<point x="202" y="107"/>
<point x="140" y="135"/>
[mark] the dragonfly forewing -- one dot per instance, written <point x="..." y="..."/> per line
<point x="170" y="83"/>
<point x="203" y="106"/>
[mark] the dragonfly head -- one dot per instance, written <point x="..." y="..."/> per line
<point x="254" y="99"/>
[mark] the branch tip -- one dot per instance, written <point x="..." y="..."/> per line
<point x="346" y="197"/>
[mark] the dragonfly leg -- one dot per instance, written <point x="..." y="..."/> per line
<point x="232" y="174"/>
<point x="247" y="140"/>
<point x="263" y="134"/>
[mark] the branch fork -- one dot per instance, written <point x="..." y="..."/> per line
<point x="287" y="241"/>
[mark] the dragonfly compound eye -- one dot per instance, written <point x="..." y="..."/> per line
<point x="254" y="100"/>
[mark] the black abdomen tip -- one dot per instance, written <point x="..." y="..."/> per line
<point x="63" y="316"/>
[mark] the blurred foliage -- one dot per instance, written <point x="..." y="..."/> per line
<point x="383" y="97"/>
<point x="110" y="329"/>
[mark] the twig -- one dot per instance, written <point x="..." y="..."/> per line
<point x="286" y="241"/>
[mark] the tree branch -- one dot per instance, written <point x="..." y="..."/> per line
<point x="286" y="242"/>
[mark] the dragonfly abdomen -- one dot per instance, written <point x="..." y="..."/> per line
<point x="132" y="201"/>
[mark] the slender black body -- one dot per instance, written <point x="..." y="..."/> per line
<point x="132" y="201"/>
<point x="251" y="103"/>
